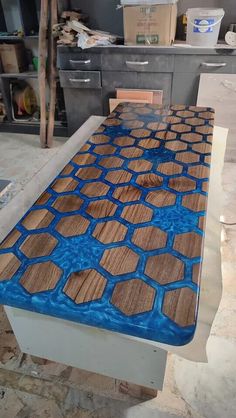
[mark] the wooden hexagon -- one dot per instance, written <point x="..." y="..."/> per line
<point x="112" y="122"/>
<point x="203" y="148"/>
<point x="149" y="238"/>
<point x="193" y="137"/>
<point x="195" y="121"/>
<point x="207" y="115"/>
<point x="196" y="270"/>
<point x="161" y="198"/>
<point x="127" y="116"/>
<point x="166" y="135"/>
<point x="140" y="165"/>
<point x="43" y="198"/>
<point x="9" y="264"/>
<point x="133" y="297"/>
<point x="199" y="171"/>
<point x="110" y="231"/>
<point x="205" y="129"/>
<point x="37" y="219"/>
<point x="207" y="159"/>
<point x="85" y="286"/>
<point x="143" y="111"/>
<point x="180" y="306"/>
<point x="185" y="114"/>
<point x="10" y="240"/>
<point x="127" y="194"/>
<point x="164" y="268"/>
<point x="195" y="202"/>
<point x="104" y="149"/>
<point x="89" y="173"/>
<point x="140" y="133"/>
<point x="67" y="184"/>
<point x="170" y="168"/>
<point x="118" y="176"/>
<point x="101" y="208"/>
<point x="187" y="157"/>
<point x="67" y="170"/>
<point x="111" y="162"/>
<point x="95" y="189"/>
<point x="180" y="127"/>
<point x="176" y="146"/>
<point x="149" y="180"/>
<point x="72" y="225"/>
<point x="134" y="124"/>
<point x="182" y="184"/>
<point x="41" y="277"/>
<point x="85" y="147"/>
<point x="38" y="245"/>
<point x="172" y="119"/>
<point x="119" y="260"/>
<point x="149" y="143"/>
<point x="201" y="222"/>
<point x="99" y="139"/>
<point x="131" y="152"/>
<point x="205" y="186"/>
<point x="69" y="203"/>
<point x="137" y="213"/>
<point x="157" y="126"/>
<point x="84" y="159"/>
<point x="188" y="244"/>
<point x="124" y="141"/>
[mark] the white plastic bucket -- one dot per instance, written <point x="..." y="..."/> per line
<point x="203" y="26"/>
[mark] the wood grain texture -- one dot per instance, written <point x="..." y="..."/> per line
<point x="137" y="213"/>
<point x="127" y="194"/>
<point x="149" y="238"/>
<point x="180" y="306"/>
<point x="118" y="176"/>
<point x="164" y="268"/>
<point x="119" y="260"/>
<point x="67" y="203"/>
<point x="170" y="169"/>
<point x="85" y="286"/>
<point x="111" y="231"/>
<point x="73" y="225"/>
<point x="111" y="162"/>
<point x="95" y="189"/>
<point x="131" y="152"/>
<point x="182" y="184"/>
<point x="188" y="244"/>
<point x="43" y="199"/>
<point x="149" y="180"/>
<point x="67" y="184"/>
<point x="38" y="245"/>
<point x="11" y="239"/>
<point x="133" y="297"/>
<point x="140" y="165"/>
<point x="161" y="198"/>
<point x="41" y="277"/>
<point x="9" y="264"/>
<point x="37" y="219"/>
<point x="196" y="202"/>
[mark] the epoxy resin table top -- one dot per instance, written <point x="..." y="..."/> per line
<point x="116" y="240"/>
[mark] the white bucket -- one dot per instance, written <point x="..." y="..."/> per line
<point x="203" y="26"/>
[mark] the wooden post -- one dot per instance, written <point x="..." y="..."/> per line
<point x="52" y="73"/>
<point x="42" y="69"/>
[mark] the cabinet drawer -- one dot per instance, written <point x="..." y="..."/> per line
<point x="140" y="63"/>
<point x="80" y="79"/>
<point x="76" y="60"/>
<point x="205" y="64"/>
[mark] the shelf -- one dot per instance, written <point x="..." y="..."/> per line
<point x="26" y="74"/>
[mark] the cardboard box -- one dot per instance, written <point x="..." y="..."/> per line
<point x="13" y="58"/>
<point x="150" y="24"/>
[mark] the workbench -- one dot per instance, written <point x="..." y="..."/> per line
<point x="121" y="232"/>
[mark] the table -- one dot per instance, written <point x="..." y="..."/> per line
<point x="151" y="172"/>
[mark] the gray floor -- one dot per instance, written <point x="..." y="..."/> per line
<point x="32" y="387"/>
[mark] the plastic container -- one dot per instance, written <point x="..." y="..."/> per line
<point x="203" y="26"/>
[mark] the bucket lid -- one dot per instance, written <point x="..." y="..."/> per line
<point x="205" y="11"/>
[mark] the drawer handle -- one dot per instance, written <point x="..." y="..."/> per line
<point x="137" y="62"/>
<point x="80" y="80"/>
<point x="86" y="62"/>
<point x="213" y="64"/>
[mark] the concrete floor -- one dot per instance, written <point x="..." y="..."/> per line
<point x="32" y="387"/>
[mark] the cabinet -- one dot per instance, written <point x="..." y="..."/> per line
<point x="89" y="78"/>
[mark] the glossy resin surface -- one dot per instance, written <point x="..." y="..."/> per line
<point x="116" y="240"/>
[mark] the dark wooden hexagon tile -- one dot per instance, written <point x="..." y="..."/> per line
<point x="182" y="184"/>
<point x="85" y="286"/>
<point x="187" y="157"/>
<point x="88" y="173"/>
<point x="137" y="213"/>
<point x="140" y="165"/>
<point x="124" y="141"/>
<point x="192" y="137"/>
<point x="72" y="225"/>
<point x="133" y="124"/>
<point x="38" y="245"/>
<point x="202" y="148"/>
<point x="10" y="240"/>
<point x="99" y="139"/>
<point x="101" y="208"/>
<point x="111" y="162"/>
<point x="166" y="135"/>
<point x="149" y="143"/>
<point x="133" y="297"/>
<point x="43" y="198"/>
<point x="164" y="268"/>
<point x="188" y="244"/>
<point x="149" y="180"/>
<point x="68" y="203"/>
<point x="127" y="194"/>
<point x="104" y="149"/>
<point x="176" y="146"/>
<point x="149" y="238"/>
<point x="195" y="202"/>
<point x="67" y="184"/>
<point x="84" y="159"/>
<point x="140" y="133"/>
<point x="120" y="260"/>
<point x="180" y="127"/>
<point x="201" y="222"/>
<point x="67" y="170"/>
<point x="37" y="219"/>
<point x="41" y="277"/>
<point x="161" y="198"/>
<point x="199" y="171"/>
<point x="9" y="264"/>
<point x="95" y="189"/>
<point x="196" y="270"/>
<point x="110" y="231"/>
<point x="118" y="176"/>
<point x="131" y="152"/>
<point x="170" y="168"/>
<point x="180" y="306"/>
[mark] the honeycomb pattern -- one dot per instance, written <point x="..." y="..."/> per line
<point x="116" y="240"/>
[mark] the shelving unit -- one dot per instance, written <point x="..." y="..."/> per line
<point x="28" y="18"/>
